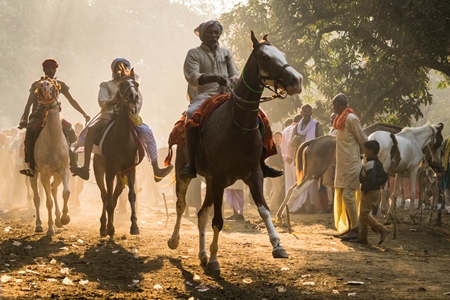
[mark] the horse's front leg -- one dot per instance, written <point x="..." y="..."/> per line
<point x="255" y="183"/>
<point x="214" y="196"/>
<point x="37" y="202"/>
<point x="65" y="219"/>
<point x="45" y="180"/>
<point x="54" y="189"/>
<point x="111" y="202"/>
<point x="100" y="179"/>
<point x="412" y="179"/>
<point x="134" y="229"/>
<point x="181" y="187"/>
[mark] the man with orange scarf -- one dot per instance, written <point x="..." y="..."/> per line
<point x="350" y="140"/>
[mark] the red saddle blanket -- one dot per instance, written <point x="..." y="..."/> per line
<point x="178" y="136"/>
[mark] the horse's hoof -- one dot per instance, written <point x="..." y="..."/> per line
<point x="173" y="243"/>
<point x="279" y="252"/>
<point x="65" y="220"/>
<point x="50" y="233"/>
<point x="39" y="229"/>
<point x="213" y="266"/>
<point x="110" y="231"/>
<point x="203" y="259"/>
<point x="58" y="223"/>
<point x="134" y="230"/>
<point x="103" y="233"/>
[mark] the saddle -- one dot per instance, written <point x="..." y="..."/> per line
<point x="100" y="137"/>
<point x="66" y="127"/>
<point x="202" y="114"/>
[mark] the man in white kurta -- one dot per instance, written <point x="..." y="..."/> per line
<point x="207" y="68"/>
<point x="349" y="142"/>
<point x="307" y="129"/>
<point x="288" y="153"/>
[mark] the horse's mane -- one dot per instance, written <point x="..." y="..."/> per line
<point x="409" y="129"/>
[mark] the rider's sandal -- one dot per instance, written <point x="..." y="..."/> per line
<point x="27" y="172"/>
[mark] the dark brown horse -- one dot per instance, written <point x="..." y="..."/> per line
<point x="231" y="145"/>
<point x="118" y="157"/>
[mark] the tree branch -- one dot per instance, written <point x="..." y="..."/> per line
<point x="378" y="99"/>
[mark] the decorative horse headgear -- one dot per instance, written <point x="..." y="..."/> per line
<point x="48" y="91"/>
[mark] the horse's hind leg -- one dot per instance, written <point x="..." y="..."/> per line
<point x="134" y="229"/>
<point x="181" y="188"/>
<point x="256" y="189"/>
<point x="282" y="207"/>
<point x="37" y="202"/>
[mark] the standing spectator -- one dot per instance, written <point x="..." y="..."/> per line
<point x="287" y="152"/>
<point x="76" y="183"/>
<point x="444" y="183"/>
<point x="17" y="150"/>
<point x="372" y="178"/>
<point x="307" y="129"/>
<point x="234" y="195"/>
<point x="277" y="191"/>
<point x="5" y="165"/>
<point x="349" y="141"/>
<point x="328" y="176"/>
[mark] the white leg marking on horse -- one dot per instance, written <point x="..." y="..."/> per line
<point x="202" y="221"/>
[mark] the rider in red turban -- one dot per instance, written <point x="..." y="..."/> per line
<point x="49" y="63"/>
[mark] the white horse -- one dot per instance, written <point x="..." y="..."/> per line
<point x="51" y="154"/>
<point x="401" y="155"/>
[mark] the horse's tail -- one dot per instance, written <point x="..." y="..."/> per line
<point x="395" y="151"/>
<point x="301" y="161"/>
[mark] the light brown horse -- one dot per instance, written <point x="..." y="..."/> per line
<point x="118" y="157"/>
<point x="314" y="158"/>
<point x="51" y="154"/>
<point x="230" y="147"/>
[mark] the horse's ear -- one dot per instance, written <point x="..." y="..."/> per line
<point x="254" y="39"/>
<point x="132" y="72"/>
<point x="265" y="38"/>
<point x="441" y="126"/>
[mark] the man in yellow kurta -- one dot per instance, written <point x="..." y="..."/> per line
<point x="349" y="142"/>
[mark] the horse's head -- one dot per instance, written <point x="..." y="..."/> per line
<point x="432" y="152"/>
<point x="48" y="90"/>
<point x="438" y="138"/>
<point x="129" y="91"/>
<point x="274" y="69"/>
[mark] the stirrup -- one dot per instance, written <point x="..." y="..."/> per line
<point x="27" y="172"/>
<point x="164" y="173"/>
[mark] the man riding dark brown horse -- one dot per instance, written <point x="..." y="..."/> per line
<point x="108" y="92"/>
<point x="207" y="69"/>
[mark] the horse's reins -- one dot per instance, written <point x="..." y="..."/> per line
<point x="262" y="99"/>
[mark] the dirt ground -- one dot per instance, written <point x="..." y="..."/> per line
<point x="77" y="263"/>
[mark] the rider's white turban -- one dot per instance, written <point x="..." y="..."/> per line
<point x="200" y="30"/>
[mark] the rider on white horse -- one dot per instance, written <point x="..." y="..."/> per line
<point x="38" y="114"/>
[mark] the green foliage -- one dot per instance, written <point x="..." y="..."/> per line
<point x="378" y="52"/>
